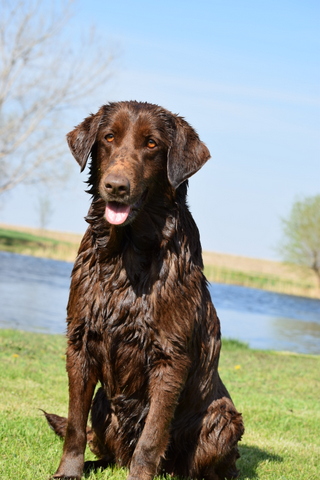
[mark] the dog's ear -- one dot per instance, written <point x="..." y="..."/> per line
<point x="186" y="155"/>
<point x="82" y="138"/>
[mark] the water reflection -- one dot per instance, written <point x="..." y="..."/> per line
<point x="269" y="332"/>
<point x="291" y="332"/>
<point x="34" y="295"/>
<point x="268" y="320"/>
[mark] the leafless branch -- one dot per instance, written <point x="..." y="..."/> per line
<point x="43" y="73"/>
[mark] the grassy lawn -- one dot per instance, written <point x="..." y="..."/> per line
<point x="277" y="393"/>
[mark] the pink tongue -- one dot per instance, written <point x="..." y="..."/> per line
<point x="116" y="213"/>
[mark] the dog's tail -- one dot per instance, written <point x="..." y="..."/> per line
<point x="57" y="423"/>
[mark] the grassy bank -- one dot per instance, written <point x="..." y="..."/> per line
<point x="39" y="243"/>
<point x="258" y="273"/>
<point x="221" y="268"/>
<point x="278" y="395"/>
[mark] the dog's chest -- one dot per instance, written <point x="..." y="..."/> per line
<point x="130" y="339"/>
<point x="126" y="321"/>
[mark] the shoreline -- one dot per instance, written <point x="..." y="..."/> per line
<point x="219" y="267"/>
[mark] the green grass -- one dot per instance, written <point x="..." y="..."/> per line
<point x="12" y="240"/>
<point x="277" y="393"/>
<point x="26" y="243"/>
<point x="255" y="280"/>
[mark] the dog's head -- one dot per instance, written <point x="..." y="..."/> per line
<point x="137" y="149"/>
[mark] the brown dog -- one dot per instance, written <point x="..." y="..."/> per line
<point x="140" y="317"/>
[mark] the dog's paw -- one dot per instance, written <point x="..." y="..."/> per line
<point x="66" y="476"/>
<point x="63" y="477"/>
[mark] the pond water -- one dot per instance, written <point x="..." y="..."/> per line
<point x="34" y="295"/>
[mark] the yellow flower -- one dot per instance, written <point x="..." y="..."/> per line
<point x="15" y="355"/>
<point x="237" y="367"/>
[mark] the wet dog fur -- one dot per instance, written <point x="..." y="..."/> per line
<point x="140" y="321"/>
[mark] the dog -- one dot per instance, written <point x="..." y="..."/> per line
<point x="140" y="321"/>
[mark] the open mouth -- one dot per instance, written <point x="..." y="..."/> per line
<point x="117" y="213"/>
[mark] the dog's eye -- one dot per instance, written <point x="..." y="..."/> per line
<point x="109" y="137"/>
<point x="151" y="143"/>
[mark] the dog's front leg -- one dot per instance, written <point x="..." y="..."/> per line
<point x="165" y="387"/>
<point x="81" y="387"/>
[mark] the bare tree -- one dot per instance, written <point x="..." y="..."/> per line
<point x="45" y="211"/>
<point x="301" y="230"/>
<point x="43" y="72"/>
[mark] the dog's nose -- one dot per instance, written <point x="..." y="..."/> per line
<point x="117" y="185"/>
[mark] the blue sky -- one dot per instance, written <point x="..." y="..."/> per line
<point x="246" y="75"/>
